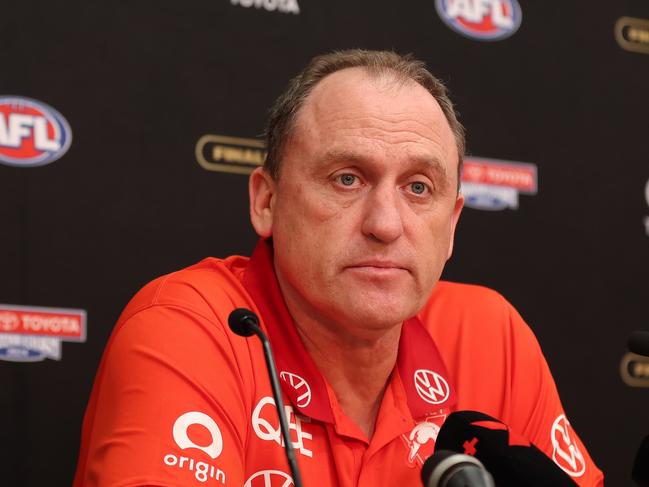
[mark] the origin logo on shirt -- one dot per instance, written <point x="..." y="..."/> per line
<point x="483" y="20"/>
<point x="212" y="447"/>
<point x="31" y="132"/>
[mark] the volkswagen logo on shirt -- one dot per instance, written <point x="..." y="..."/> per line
<point x="269" y="478"/>
<point x="565" y="451"/>
<point x="300" y="385"/>
<point x="431" y="386"/>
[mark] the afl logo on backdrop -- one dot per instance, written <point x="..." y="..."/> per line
<point x="484" y="20"/>
<point x="31" y="132"/>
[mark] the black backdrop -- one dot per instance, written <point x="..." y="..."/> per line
<point x="141" y="81"/>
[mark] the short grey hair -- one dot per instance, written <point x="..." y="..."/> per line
<point x="283" y="112"/>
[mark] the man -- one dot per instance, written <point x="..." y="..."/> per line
<point x="357" y="207"/>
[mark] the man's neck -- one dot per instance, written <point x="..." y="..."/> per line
<point x="357" y="369"/>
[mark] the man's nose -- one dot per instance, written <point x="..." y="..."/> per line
<point x="382" y="219"/>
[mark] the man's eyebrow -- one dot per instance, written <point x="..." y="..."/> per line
<point x="436" y="166"/>
<point x="424" y="163"/>
<point x="342" y="155"/>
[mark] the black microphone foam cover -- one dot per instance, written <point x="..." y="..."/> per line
<point x="639" y="343"/>
<point x="640" y="473"/>
<point x="239" y="321"/>
<point x="511" y="459"/>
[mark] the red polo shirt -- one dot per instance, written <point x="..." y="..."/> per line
<point x="181" y="400"/>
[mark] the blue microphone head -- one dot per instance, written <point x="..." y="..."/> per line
<point x="240" y="320"/>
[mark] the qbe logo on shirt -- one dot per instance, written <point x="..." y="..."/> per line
<point x="31" y="132"/>
<point x="265" y="423"/>
<point x="195" y="423"/>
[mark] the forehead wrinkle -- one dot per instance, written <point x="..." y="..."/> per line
<point x="391" y="128"/>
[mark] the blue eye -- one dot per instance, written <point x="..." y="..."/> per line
<point x="347" y="179"/>
<point x="418" y="188"/>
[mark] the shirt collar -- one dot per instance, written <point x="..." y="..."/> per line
<point x="422" y="372"/>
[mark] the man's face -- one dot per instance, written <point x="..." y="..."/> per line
<point x="363" y="213"/>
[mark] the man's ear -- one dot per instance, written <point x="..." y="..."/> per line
<point x="261" y="189"/>
<point x="459" y="204"/>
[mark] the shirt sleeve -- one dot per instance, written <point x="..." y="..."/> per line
<point x="537" y="412"/>
<point x="169" y="406"/>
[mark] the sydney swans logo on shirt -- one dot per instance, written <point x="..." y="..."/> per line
<point x="565" y="451"/>
<point x="204" y="426"/>
<point x="31" y="132"/>
<point x="483" y="20"/>
<point x="421" y="440"/>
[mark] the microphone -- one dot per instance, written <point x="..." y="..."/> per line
<point x="449" y="469"/>
<point x="242" y="321"/>
<point x="245" y="323"/>
<point x="640" y="472"/>
<point x="511" y="459"/>
<point x="639" y="343"/>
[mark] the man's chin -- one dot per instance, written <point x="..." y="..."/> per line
<point x="378" y="316"/>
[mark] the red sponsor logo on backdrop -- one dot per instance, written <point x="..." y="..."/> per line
<point x="31" y="132"/>
<point x="490" y="184"/>
<point x="518" y="176"/>
<point x="29" y="334"/>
